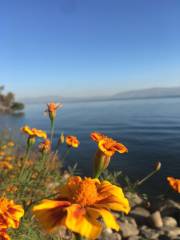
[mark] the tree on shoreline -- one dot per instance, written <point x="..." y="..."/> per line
<point x="8" y="103"/>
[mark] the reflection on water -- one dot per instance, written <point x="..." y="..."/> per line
<point x="149" y="128"/>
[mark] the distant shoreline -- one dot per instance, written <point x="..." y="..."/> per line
<point x="148" y="93"/>
<point x="105" y="99"/>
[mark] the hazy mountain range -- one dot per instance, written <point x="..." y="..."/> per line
<point x="134" y="94"/>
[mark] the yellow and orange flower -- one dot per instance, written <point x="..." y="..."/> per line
<point x="174" y="183"/>
<point x="33" y="132"/>
<point x="72" y="141"/>
<point x="52" y="109"/>
<point x="106" y="149"/>
<point x="6" y="165"/>
<point x="96" y="136"/>
<point x="79" y="210"/>
<point x="45" y="146"/>
<point x="4" y="235"/>
<point x="109" y="146"/>
<point x="10" y="214"/>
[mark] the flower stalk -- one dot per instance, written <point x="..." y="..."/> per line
<point x="157" y="168"/>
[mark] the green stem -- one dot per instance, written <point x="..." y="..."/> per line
<point x="66" y="154"/>
<point x="145" y="178"/>
<point x="25" y="159"/>
<point x="52" y="130"/>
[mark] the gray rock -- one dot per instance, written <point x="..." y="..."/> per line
<point x="141" y="215"/>
<point x="134" y="199"/>
<point x="149" y="233"/>
<point x="174" y="233"/>
<point x="156" y="219"/>
<point x="115" y="236"/>
<point x="135" y="238"/>
<point x="169" y="222"/>
<point x="108" y="234"/>
<point x="129" y="228"/>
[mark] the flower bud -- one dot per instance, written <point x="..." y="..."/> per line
<point x="61" y="139"/>
<point x="101" y="162"/>
<point x="158" y="166"/>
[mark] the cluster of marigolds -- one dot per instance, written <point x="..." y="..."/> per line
<point x="81" y="203"/>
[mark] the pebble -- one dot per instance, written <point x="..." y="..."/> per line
<point x="156" y="219"/>
<point x="169" y="222"/>
<point x="149" y="233"/>
<point x="108" y="234"/>
<point x="174" y="233"/>
<point x="134" y="199"/>
<point x="141" y="215"/>
<point x="129" y="228"/>
<point x="135" y="238"/>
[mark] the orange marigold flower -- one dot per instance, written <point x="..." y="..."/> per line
<point x="45" y="146"/>
<point x="109" y="146"/>
<point x="52" y="108"/>
<point x="174" y="183"/>
<point x="79" y="210"/>
<point x="96" y="136"/>
<point x="33" y="132"/>
<point x="4" y="235"/>
<point x="106" y="149"/>
<point x="6" y="165"/>
<point x="72" y="141"/>
<point x="10" y="214"/>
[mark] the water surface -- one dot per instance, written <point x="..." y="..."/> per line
<point x="149" y="128"/>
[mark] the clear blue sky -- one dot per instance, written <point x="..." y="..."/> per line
<point x="88" y="47"/>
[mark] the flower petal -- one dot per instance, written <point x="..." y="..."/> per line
<point x="119" y="147"/>
<point x="51" y="213"/>
<point x="107" y="216"/>
<point x="111" y="196"/>
<point x="79" y="221"/>
<point x="4" y="235"/>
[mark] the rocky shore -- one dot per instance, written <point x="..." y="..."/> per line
<point x="148" y="220"/>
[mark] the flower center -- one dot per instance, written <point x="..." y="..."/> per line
<point x="85" y="193"/>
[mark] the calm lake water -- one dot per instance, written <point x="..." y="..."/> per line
<point x="149" y="128"/>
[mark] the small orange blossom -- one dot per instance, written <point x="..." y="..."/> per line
<point x="106" y="149"/>
<point x="52" y="108"/>
<point x="10" y="213"/>
<point x="45" y="146"/>
<point x="33" y="132"/>
<point x="72" y="141"/>
<point x="174" y="183"/>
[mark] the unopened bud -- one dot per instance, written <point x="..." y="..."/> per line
<point x="158" y="166"/>
<point x="61" y="139"/>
